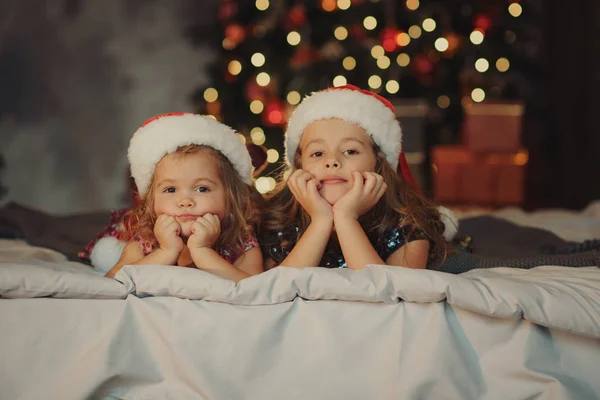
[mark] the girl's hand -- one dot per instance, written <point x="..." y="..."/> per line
<point x="205" y="231"/>
<point x="305" y="189"/>
<point x="367" y="189"/>
<point x="167" y="231"/>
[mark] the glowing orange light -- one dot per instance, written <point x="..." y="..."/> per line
<point x="328" y="5"/>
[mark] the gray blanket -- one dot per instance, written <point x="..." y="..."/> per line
<point x="67" y="234"/>
<point x="500" y="243"/>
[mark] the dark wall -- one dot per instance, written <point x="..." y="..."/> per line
<point x="561" y="131"/>
<point x="76" y="79"/>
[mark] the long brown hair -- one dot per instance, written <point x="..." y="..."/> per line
<point x="401" y="206"/>
<point x="241" y="214"/>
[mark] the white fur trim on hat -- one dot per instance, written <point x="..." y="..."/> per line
<point x="352" y="106"/>
<point x="163" y="135"/>
<point x="106" y="253"/>
<point x="450" y="222"/>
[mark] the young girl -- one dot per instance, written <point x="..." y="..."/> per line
<point x="194" y="179"/>
<point x="344" y="204"/>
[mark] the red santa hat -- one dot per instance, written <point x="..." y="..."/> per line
<point x="163" y="134"/>
<point x="370" y="111"/>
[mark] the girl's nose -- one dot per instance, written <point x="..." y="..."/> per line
<point x="186" y="202"/>
<point x="332" y="163"/>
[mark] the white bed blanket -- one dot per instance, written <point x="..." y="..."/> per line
<point x="555" y="297"/>
<point x="171" y="348"/>
<point x="178" y="333"/>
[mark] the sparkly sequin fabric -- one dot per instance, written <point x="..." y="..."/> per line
<point x="333" y="258"/>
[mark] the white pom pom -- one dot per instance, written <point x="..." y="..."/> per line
<point x="450" y="222"/>
<point x="106" y="253"/>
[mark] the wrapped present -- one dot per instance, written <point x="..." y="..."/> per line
<point x="478" y="182"/>
<point x="447" y="166"/>
<point x="467" y="177"/>
<point x="511" y="182"/>
<point x="492" y="127"/>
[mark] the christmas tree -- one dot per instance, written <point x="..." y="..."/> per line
<point x="273" y="53"/>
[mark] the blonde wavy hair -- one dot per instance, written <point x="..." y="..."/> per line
<point x="241" y="213"/>
<point x="401" y="206"/>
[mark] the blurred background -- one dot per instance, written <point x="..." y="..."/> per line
<point x="496" y="97"/>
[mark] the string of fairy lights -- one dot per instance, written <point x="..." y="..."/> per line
<point x="385" y="52"/>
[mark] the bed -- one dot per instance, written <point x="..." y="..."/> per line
<point x="161" y="332"/>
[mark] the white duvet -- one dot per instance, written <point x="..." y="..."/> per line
<point x="556" y="297"/>
<point x="380" y="333"/>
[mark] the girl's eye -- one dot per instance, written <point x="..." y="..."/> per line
<point x="317" y="154"/>
<point x="169" y="190"/>
<point x="202" y="189"/>
<point x="351" y="152"/>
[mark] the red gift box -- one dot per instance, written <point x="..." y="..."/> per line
<point x="464" y="176"/>
<point x="510" y="186"/>
<point x="477" y="182"/>
<point x="447" y="167"/>
<point x="492" y="127"/>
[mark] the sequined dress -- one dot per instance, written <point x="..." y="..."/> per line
<point x="391" y="241"/>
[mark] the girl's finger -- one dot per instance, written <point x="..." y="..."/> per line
<point x="292" y="186"/>
<point x="160" y="221"/>
<point x="370" y="183"/>
<point x="214" y="222"/>
<point x="196" y="225"/>
<point x="296" y="173"/>
<point x="294" y="181"/>
<point x="302" y="182"/>
<point x="312" y="188"/>
<point x="204" y="221"/>
<point x="378" y="182"/>
<point x="381" y="190"/>
<point x="209" y="224"/>
<point x="358" y="181"/>
<point x="297" y="188"/>
<point x="213" y="219"/>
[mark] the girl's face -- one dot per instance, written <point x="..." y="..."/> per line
<point x="187" y="186"/>
<point x="331" y="149"/>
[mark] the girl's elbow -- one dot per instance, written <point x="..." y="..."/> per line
<point x="113" y="271"/>
<point x="355" y="267"/>
<point x="254" y="271"/>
